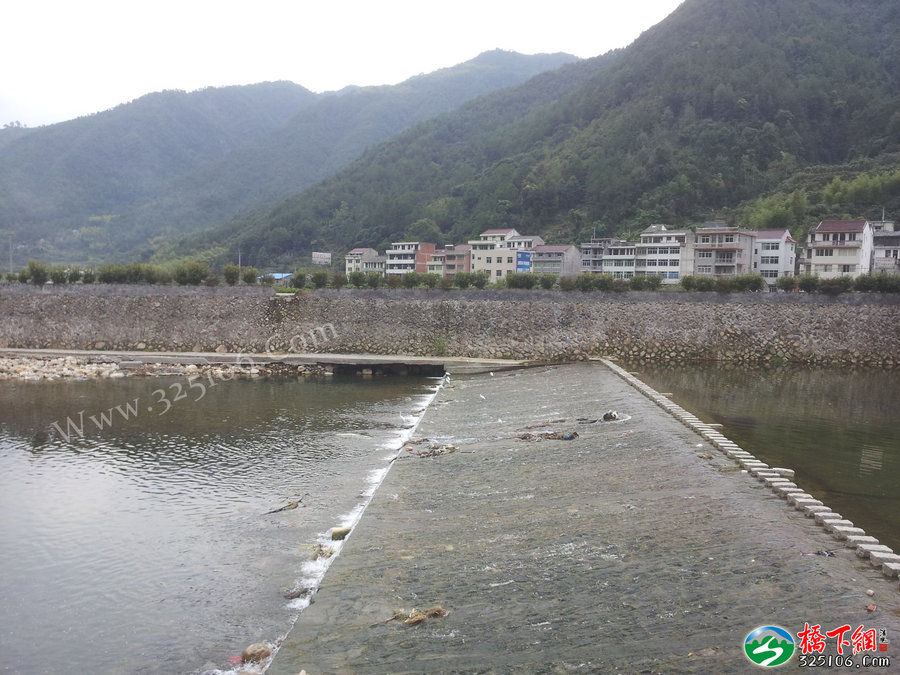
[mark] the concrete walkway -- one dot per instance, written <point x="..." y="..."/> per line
<point x="637" y="547"/>
<point x="451" y="364"/>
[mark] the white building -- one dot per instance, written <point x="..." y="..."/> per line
<point x="618" y="259"/>
<point x="886" y="246"/>
<point x="839" y="248"/>
<point x="408" y="256"/>
<point x="774" y="254"/>
<point x="356" y="259"/>
<point x="663" y="252"/>
<point x="721" y="250"/>
<point x="496" y="252"/>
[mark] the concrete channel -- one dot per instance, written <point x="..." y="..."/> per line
<point x="559" y="542"/>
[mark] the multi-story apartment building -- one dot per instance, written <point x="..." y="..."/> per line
<point x="356" y="259"/>
<point x="561" y="260"/>
<point x="592" y="253"/>
<point x="721" y="250"/>
<point x="886" y="246"/>
<point x="483" y="248"/>
<point x="408" y="256"/>
<point x="618" y="259"/>
<point x="499" y="252"/>
<point x="838" y="248"/>
<point x="663" y="252"/>
<point x="774" y="254"/>
<point x="457" y="258"/>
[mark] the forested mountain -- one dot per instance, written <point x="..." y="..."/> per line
<point x="744" y="110"/>
<point x="99" y="188"/>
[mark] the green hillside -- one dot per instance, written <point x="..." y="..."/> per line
<point x="101" y="187"/>
<point x="739" y="110"/>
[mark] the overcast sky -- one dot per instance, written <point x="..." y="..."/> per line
<point x="65" y="58"/>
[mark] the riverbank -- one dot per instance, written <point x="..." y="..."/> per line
<point x="54" y="364"/>
<point x="636" y="546"/>
<point x="770" y="328"/>
<point x="107" y="366"/>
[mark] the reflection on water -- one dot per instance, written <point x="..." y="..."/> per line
<point x="146" y="546"/>
<point x="837" y="429"/>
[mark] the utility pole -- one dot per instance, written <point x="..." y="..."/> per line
<point x="10" y="254"/>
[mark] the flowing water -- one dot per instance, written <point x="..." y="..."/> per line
<point x="838" y="429"/>
<point x="146" y="545"/>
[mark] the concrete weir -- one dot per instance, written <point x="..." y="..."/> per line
<point x="553" y="541"/>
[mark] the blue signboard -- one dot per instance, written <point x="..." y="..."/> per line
<point x="523" y="262"/>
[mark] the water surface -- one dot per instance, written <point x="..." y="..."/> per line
<point x="837" y="428"/>
<point x="145" y="546"/>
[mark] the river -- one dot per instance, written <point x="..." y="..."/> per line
<point x="147" y="545"/>
<point x="838" y="429"/>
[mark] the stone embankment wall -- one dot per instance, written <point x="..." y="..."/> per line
<point x="851" y="329"/>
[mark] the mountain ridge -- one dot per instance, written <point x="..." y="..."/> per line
<point x="101" y="186"/>
<point x="706" y="115"/>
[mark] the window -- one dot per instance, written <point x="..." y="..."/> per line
<point x="770" y="246"/>
<point x="704" y="238"/>
<point x="704" y="254"/>
<point x="704" y="269"/>
<point x="509" y="260"/>
<point x="769" y="260"/>
<point x="846" y="269"/>
<point x="499" y="273"/>
<point x="488" y="261"/>
<point x="770" y="274"/>
<point x="729" y="238"/>
<point x="824" y="252"/>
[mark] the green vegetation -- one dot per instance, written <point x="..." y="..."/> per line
<point x="250" y="275"/>
<point x="745" y="111"/>
<point x="102" y="187"/>
<point x="232" y="273"/>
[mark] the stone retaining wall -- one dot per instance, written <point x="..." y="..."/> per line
<point x="852" y="329"/>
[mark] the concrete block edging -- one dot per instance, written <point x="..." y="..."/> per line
<point x="777" y="479"/>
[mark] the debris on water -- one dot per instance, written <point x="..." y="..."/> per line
<point x="257" y="652"/>
<point x="417" y="616"/>
<point x="544" y="424"/>
<point x="289" y="506"/>
<point x="871" y="608"/>
<point x="549" y="436"/>
<point x="870" y="592"/>
<point x="297" y="593"/>
<point x="610" y="415"/>
<point x="827" y="554"/>
<point x="322" y="551"/>
<point x="435" y="450"/>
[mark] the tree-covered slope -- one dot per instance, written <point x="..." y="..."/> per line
<point x="325" y="137"/>
<point x="718" y="106"/>
<point x="100" y="187"/>
<point x="60" y="185"/>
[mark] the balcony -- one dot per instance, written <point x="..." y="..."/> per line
<point x="837" y="244"/>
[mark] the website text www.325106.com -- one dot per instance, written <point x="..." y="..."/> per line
<point x="193" y="389"/>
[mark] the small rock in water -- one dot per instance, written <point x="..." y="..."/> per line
<point x="610" y="415"/>
<point x="339" y="533"/>
<point x="258" y="651"/>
